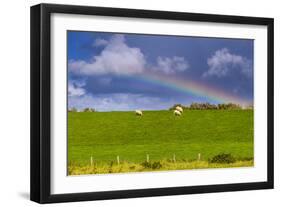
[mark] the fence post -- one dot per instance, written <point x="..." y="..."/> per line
<point x="199" y="156"/>
<point x="91" y="160"/>
<point x="118" y="161"/>
<point x="147" y="157"/>
<point x="174" y="158"/>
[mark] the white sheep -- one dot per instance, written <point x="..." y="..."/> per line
<point x="177" y="113"/>
<point x="138" y="112"/>
<point x="179" y="109"/>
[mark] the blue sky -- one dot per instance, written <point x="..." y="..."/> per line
<point x="104" y="69"/>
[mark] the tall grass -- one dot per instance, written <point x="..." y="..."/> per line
<point x="125" y="167"/>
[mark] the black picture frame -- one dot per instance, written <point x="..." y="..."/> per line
<point x="41" y="99"/>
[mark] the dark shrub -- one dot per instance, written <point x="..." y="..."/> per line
<point x="154" y="165"/>
<point x="89" y="110"/>
<point x="146" y="164"/>
<point x="132" y="167"/>
<point x="223" y="158"/>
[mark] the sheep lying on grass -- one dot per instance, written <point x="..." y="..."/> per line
<point x="177" y="113"/>
<point x="180" y="109"/>
<point x="138" y="112"/>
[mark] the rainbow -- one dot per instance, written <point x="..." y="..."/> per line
<point x="198" y="89"/>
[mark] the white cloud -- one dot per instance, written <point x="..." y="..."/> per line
<point x="100" y="42"/>
<point x="118" y="102"/>
<point x="171" y="65"/>
<point x="116" y="58"/>
<point x="223" y="63"/>
<point x="119" y="59"/>
<point x="75" y="88"/>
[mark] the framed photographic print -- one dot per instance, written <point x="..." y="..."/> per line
<point x="133" y="103"/>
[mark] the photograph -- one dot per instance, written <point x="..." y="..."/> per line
<point x="133" y="103"/>
<point x="151" y="102"/>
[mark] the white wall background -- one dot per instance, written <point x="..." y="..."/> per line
<point x="14" y="103"/>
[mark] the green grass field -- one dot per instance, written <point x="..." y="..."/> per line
<point x="106" y="135"/>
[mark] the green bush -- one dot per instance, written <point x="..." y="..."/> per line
<point x="146" y="164"/>
<point x="209" y="106"/>
<point x="89" y="110"/>
<point x="154" y="165"/>
<point x="222" y="158"/>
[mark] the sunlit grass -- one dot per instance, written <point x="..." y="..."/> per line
<point x="104" y="136"/>
<point x="126" y="167"/>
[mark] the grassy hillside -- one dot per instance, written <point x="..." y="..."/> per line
<point x="104" y="135"/>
